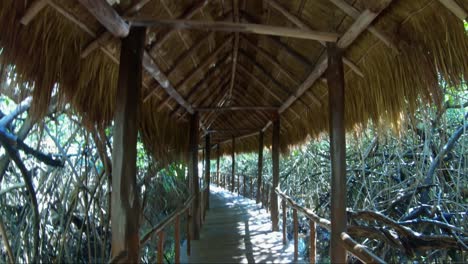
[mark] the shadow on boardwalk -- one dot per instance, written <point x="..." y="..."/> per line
<point x="237" y="230"/>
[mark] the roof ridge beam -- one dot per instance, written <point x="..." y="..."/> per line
<point x="236" y="27"/>
<point x="237" y="108"/>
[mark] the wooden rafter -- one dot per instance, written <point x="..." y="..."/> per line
<point x="33" y="9"/>
<point x="179" y="33"/>
<point x="212" y="78"/>
<point x="455" y="8"/>
<point x="237" y="27"/>
<point x="207" y="61"/>
<point x="107" y="16"/>
<point x="106" y="36"/>
<point x="298" y="22"/>
<point x="235" y="48"/>
<point x="354" y="13"/>
<point x="156" y="73"/>
<point x="258" y="66"/>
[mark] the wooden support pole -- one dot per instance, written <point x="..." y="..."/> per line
<point x="233" y="158"/>
<point x="125" y="204"/>
<point x="160" y="247"/>
<point x="207" y="170"/>
<point x="251" y="188"/>
<point x="188" y="231"/>
<point x="275" y="159"/>
<point x="177" y="240"/>
<point x="193" y="172"/>
<point x="245" y="186"/>
<point x="260" y="166"/>
<point x="312" y="241"/>
<point x="238" y="184"/>
<point x="296" y="234"/>
<point x="218" y="150"/>
<point x="335" y="79"/>
<point x="285" y="239"/>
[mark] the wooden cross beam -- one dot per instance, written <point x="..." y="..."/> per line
<point x="107" y="16"/>
<point x="455" y="8"/>
<point x="237" y="108"/>
<point x="236" y="27"/>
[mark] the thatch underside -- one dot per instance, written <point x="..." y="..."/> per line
<point x="432" y="45"/>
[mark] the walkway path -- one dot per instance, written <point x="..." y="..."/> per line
<point x="236" y="230"/>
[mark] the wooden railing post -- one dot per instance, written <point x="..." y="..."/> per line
<point x="160" y="246"/>
<point x="283" y="204"/>
<point x="177" y="239"/>
<point x="312" y="241"/>
<point x="296" y="235"/>
<point x="188" y="231"/>
<point x="251" y="188"/>
<point x="245" y="187"/>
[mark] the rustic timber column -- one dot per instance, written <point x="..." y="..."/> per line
<point x="275" y="158"/>
<point x="260" y="165"/>
<point x="207" y="169"/>
<point x="125" y="204"/>
<point x="233" y="163"/>
<point x="337" y="152"/>
<point x="193" y="172"/>
<point x="218" y="176"/>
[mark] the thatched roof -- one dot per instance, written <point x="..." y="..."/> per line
<point x="391" y="67"/>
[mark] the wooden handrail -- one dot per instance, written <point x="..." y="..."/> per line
<point x="358" y="250"/>
<point x="175" y="217"/>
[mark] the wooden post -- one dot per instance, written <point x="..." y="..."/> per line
<point x="188" y="232"/>
<point x="335" y="79"/>
<point x="251" y="188"/>
<point x="245" y="187"/>
<point x="193" y="170"/>
<point x="177" y="240"/>
<point x="233" y="162"/>
<point x="312" y="242"/>
<point x="207" y="170"/>
<point x="285" y="240"/>
<point x="260" y="166"/>
<point x="160" y="247"/>
<point x="125" y="204"/>
<point x="275" y="159"/>
<point x="267" y="196"/>
<point x="296" y="234"/>
<point x="217" y="165"/>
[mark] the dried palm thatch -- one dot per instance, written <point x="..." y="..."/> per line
<point x="431" y="47"/>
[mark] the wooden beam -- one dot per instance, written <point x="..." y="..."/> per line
<point x="33" y="9"/>
<point x="455" y="8"/>
<point x="218" y="154"/>
<point x="106" y="36"/>
<point x="235" y="48"/>
<point x="354" y="13"/>
<point x="107" y="16"/>
<point x="360" y="25"/>
<point x="207" y="169"/>
<point x="237" y="108"/>
<point x="347" y="39"/>
<point x="165" y="83"/>
<point x="259" y="166"/>
<point x="336" y="106"/>
<point x="193" y="175"/>
<point x="236" y="27"/>
<point x="275" y="162"/>
<point x="298" y="22"/>
<point x="233" y="158"/>
<point x="125" y="203"/>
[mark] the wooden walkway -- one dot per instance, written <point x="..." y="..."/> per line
<point x="237" y="230"/>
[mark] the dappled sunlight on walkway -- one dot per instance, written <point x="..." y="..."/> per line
<point x="237" y="231"/>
